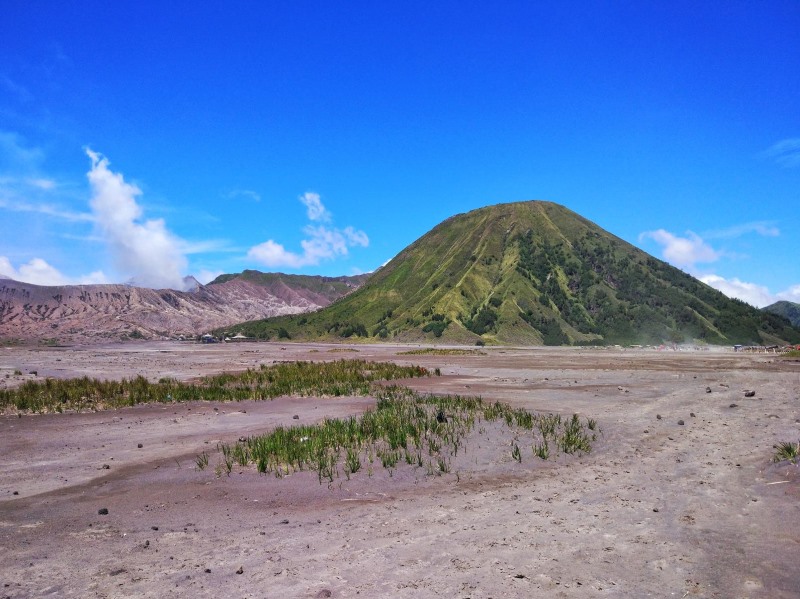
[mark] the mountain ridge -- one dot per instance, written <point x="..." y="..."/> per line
<point x="530" y="273"/>
<point x="89" y="313"/>
<point x="789" y="310"/>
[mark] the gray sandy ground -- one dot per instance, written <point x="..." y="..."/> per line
<point x="658" y="509"/>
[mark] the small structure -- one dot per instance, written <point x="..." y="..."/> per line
<point x="238" y="338"/>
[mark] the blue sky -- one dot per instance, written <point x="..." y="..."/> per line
<point x="146" y="141"/>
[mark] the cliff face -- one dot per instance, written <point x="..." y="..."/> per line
<point x="86" y="313"/>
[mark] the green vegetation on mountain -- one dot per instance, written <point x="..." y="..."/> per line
<point x="789" y="310"/>
<point x="529" y="273"/>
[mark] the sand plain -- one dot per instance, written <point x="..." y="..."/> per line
<point x="657" y="509"/>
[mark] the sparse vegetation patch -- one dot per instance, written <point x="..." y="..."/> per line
<point x="340" y="377"/>
<point x="432" y="351"/>
<point x="422" y="431"/>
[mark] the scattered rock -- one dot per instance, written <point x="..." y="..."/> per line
<point x="733" y="405"/>
<point x="103" y="511"/>
<point x="692" y="415"/>
<point x="296" y="417"/>
<point x="680" y="422"/>
<point x="242" y="439"/>
<point x="655" y="509"/>
<point x="749" y="393"/>
<point x="708" y="389"/>
<point x="106" y="467"/>
<point x="240" y="570"/>
<point x="208" y="570"/>
<point x="658" y="416"/>
<point x="519" y="576"/>
<point x="324" y="593"/>
<point x="15" y="493"/>
<point x="139" y="445"/>
<point x="440" y="417"/>
<point x="284" y="522"/>
<point x="147" y="544"/>
<point x="154" y="528"/>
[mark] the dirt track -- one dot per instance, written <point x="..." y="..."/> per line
<point x="658" y="509"/>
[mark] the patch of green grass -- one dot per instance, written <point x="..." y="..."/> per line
<point x="792" y="353"/>
<point x="432" y="351"/>
<point x="786" y="450"/>
<point x="336" y="378"/>
<point x="425" y="431"/>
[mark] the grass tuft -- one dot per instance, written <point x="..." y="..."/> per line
<point x="786" y="450"/>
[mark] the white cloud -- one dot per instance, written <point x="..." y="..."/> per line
<point x="752" y="293"/>
<point x="786" y="152"/>
<point x="791" y="295"/>
<point x="145" y="251"/>
<point x="314" y="208"/>
<point x="39" y="272"/>
<point x="322" y="243"/>
<point x="683" y="252"/>
<point x="274" y="255"/>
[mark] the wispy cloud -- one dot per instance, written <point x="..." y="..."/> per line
<point x="764" y="228"/>
<point x="246" y="194"/>
<point x="322" y="242"/>
<point x="786" y="152"/>
<point x="683" y="252"/>
<point x="205" y="247"/>
<point x="44" y="184"/>
<point x="47" y="210"/>
<point x="14" y="153"/>
<point x="19" y="91"/>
